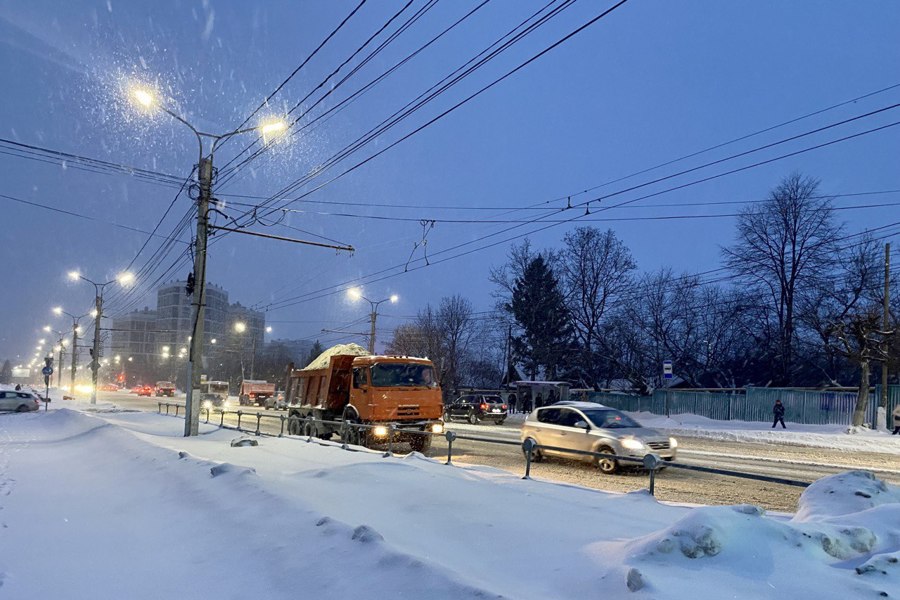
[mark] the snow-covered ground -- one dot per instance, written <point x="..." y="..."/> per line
<point x="96" y="502"/>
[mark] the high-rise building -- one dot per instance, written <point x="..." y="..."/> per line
<point x="133" y="340"/>
<point x="174" y="312"/>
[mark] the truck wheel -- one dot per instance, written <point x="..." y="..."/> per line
<point x="420" y="443"/>
<point x="309" y="429"/>
<point x="294" y="425"/>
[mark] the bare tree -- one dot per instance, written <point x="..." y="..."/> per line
<point x="785" y="247"/>
<point x="595" y="272"/>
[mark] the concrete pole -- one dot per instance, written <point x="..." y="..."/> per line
<point x="195" y="362"/>
<point x="95" y="364"/>
<point x="74" y="355"/>
<point x="885" y="325"/>
<point x="59" y="367"/>
<point x="372" y="333"/>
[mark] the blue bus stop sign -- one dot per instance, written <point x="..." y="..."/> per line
<point x="47" y="371"/>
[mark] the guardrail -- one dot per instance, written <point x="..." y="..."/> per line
<point x="651" y="462"/>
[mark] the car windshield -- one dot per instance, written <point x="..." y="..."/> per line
<point x="610" y="419"/>
<point x="400" y="374"/>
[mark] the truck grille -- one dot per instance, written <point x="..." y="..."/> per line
<point x="658" y="445"/>
<point x="408" y="410"/>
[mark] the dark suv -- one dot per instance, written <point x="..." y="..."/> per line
<point x="476" y="408"/>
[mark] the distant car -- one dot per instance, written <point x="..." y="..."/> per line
<point x="476" y="408"/>
<point x="593" y="427"/>
<point x="109" y="387"/>
<point x="136" y="389"/>
<point x="145" y="390"/>
<point x="165" y="388"/>
<point x="277" y="402"/>
<point x="210" y="400"/>
<point x="18" y="401"/>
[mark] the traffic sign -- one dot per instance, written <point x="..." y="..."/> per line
<point x="667" y="369"/>
<point x="47" y="371"/>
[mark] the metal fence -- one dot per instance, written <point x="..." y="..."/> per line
<point x="650" y="462"/>
<point x="811" y="407"/>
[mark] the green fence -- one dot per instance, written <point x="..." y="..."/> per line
<point x="812" y="407"/>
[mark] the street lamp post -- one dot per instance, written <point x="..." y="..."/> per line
<point x="60" y="348"/>
<point x="204" y="175"/>
<point x="123" y="279"/>
<point x="75" y="327"/>
<point x="356" y="294"/>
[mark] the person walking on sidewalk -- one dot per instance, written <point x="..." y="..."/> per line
<point x="896" y="414"/>
<point x="778" y="411"/>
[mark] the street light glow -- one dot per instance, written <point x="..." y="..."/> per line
<point x="47" y="328"/>
<point x="212" y="341"/>
<point x="143" y="97"/>
<point x="240" y="327"/>
<point x="93" y="313"/>
<point x="126" y="278"/>
<point x="42" y="341"/>
<point x="269" y="329"/>
<point x="394" y="298"/>
<point x="57" y="310"/>
<point x="273" y="127"/>
<point x="74" y="275"/>
<point x="355" y="293"/>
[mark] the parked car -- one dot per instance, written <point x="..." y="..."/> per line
<point x="18" y="401"/>
<point x="476" y="408"/>
<point x="593" y="427"/>
<point x="145" y="390"/>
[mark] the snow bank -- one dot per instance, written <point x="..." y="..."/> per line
<point x="117" y="504"/>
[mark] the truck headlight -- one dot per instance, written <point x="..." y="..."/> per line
<point x="632" y="444"/>
<point x="673" y="443"/>
<point x="380" y="431"/>
<point x="437" y="428"/>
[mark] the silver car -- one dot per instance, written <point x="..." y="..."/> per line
<point x="18" y="401"/>
<point x="592" y="427"/>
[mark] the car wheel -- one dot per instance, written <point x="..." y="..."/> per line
<point x="473" y="418"/>
<point x="536" y="455"/>
<point x="22" y="408"/>
<point x="447" y="416"/>
<point x="607" y="466"/>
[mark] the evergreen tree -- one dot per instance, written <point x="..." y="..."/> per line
<point x="6" y="372"/>
<point x="539" y="309"/>
<point x="317" y="349"/>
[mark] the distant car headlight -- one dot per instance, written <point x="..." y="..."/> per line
<point x="673" y="443"/>
<point x="380" y="431"/>
<point x="632" y="444"/>
<point x="437" y="428"/>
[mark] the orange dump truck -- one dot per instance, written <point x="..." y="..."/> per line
<point x="396" y="395"/>
<point x="255" y="391"/>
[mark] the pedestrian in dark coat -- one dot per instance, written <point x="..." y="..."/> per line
<point x="778" y="411"/>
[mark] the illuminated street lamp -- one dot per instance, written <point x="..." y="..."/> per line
<point x="356" y="294"/>
<point x="124" y="279"/>
<point x="148" y="100"/>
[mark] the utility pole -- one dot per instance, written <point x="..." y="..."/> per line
<point x="372" y="331"/>
<point x="195" y="362"/>
<point x="885" y="324"/>
<point x="95" y="353"/>
<point x="59" y="362"/>
<point x="74" y="354"/>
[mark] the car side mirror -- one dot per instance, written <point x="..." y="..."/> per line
<point x="583" y="425"/>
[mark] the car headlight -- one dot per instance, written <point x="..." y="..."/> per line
<point x="437" y="428"/>
<point x="673" y="443"/>
<point x="380" y="431"/>
<point x="632" y="444"/>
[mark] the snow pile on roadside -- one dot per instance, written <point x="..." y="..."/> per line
<point x="134" y="510"/>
